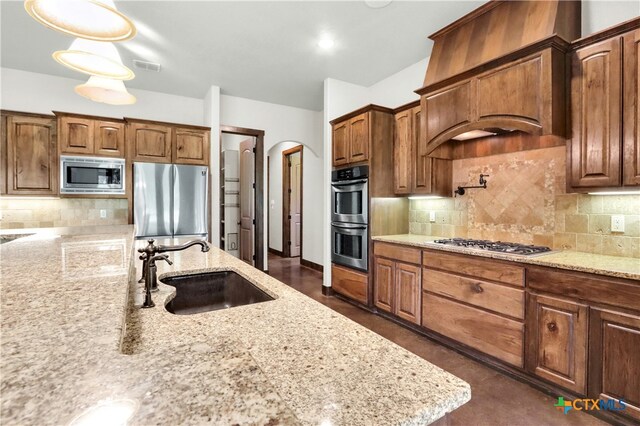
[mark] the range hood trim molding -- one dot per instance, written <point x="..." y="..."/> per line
<point x="554" y="42"/>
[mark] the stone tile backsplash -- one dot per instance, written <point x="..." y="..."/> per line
<point x="526" y="202"/>
<point x="49" y="212"/>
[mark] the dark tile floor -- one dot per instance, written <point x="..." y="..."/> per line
<point x="496" y="399"/>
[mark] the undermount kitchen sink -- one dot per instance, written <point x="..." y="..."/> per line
<point x="212" y="291"/>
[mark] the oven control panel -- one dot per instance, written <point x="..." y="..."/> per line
<point x="350" y="173"/>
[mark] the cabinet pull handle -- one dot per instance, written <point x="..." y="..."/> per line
<point x="552" y="326"/>
<point x="478" y="288"/>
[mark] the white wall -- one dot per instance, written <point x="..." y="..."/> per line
<point x="598" y="15"/>
<point x="398" y="89"/>
<point x="287" y="124"/>
<point x="43" y="93"/>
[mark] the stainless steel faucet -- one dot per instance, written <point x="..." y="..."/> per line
<point x="150" y="255"/>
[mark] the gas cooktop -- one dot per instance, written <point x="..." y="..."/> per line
<point x="496" y="246"/>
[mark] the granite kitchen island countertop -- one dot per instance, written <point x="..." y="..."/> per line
<point x="613" y="266"/>
<point x="75" y="345"/>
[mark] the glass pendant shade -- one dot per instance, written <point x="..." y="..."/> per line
<point x="105" y="90"/>
<point x="94" y="58"/>
<point x="90" y="19"/>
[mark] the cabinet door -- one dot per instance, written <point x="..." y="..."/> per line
<point x="557" y="341"/>
<point x="408" y="290"/>
<point x="76" y="135"/>
<point x="32" y="160"/>
<point x="614" y="359"/>
<point x="149" y="142"/>
<point x="596" y="115"/>
<point x="359" y="138"/>
<point x="191" y="146"/>
<point x="631" y="103"/>
<point x="402" y="152"/>
<point x="383" y="287"/>
<point x="421" y="165"/>
<point x="109" y="138"/>
<point x="341" y="143"/>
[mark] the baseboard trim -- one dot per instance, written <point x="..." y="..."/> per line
<point x="312" y="265"/>
<point x="276" y="252"/>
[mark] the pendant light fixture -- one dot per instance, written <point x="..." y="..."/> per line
<point x="91" y="19"/>
<point x="94" y="58"/>
<point x="105" y="90"/>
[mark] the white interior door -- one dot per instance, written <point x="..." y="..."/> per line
<point x="295" y="203"/>
<point x="247" y="207"/>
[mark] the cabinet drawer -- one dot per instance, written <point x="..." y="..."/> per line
<point x="617" y="292"/>
<point x="397" y="252"/>
<point x="489" y="333"/>
<point x="494" y="297"/>
<point x="352" y="284"/>
<point x="475" y="267"/>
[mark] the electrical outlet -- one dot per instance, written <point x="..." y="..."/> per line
<point x="617" y="223"/>
<point x="432" y="216"/>
<point x="103" y="214"/>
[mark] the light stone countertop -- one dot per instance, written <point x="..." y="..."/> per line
<point x="613" y="266"/>
<point x="74" y="342"/>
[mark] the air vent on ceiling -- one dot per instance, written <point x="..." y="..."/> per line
<point x="147" y="66"/>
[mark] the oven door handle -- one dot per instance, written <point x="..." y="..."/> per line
<point x="348" y="226"/>
<point x="348" y="182"/>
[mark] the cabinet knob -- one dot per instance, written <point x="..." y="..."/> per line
<point x="552" y="326"/>
<point x="477" y="288"/>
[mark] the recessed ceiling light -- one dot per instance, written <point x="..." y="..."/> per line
<point x="377" y="4"/>
<point x="326" y="42"/>
<point x="105" y="90"/>
<point x="94" y="58"/>
<point x="91" y="19"/>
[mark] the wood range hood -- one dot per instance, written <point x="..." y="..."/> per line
<point x="498" y="69"/>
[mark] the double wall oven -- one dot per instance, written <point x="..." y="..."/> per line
<point x="350" y="217"/>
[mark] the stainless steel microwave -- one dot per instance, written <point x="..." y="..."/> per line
<point x="92" y="175"/>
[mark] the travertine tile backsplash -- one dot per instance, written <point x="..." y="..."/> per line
<point x="48" y="212"/>
<point x="526" y="202"/>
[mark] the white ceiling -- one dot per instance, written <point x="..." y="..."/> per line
<point x="260" y="50"/>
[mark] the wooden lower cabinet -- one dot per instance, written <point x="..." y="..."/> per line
<point x="557" y="335"/>
<point x="614" y="359"/>
<point x="408" y="293"/>
<point x="384" y="273"/>
<point x="350" y="283"/>
<point x="492" y="334"/>
<point x="397" y="283"/>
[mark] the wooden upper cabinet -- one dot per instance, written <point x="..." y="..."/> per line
<point x="631" y="108"/>
<point x="86" y="135"/>
<point x="149" y="142"/>
<point x="32" y="155"/>
<point x="3" y="155"/>
<point x="76" y="135"/>
<point x="557" y="334"/>
<point x="614" y="363"/>
<point x="341" y="138"/>
<point x="109" y="138"/>
<point x="190" y="146"/>
<point x="402" y="152"/>
<point x="596" y="94"/>
<point x="359" y="139"/>
<point x="351" y="140"/>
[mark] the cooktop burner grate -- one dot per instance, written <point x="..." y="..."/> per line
<point x="496" y="246"/>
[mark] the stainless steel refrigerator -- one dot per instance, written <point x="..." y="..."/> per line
<point x="170" y="200"/>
